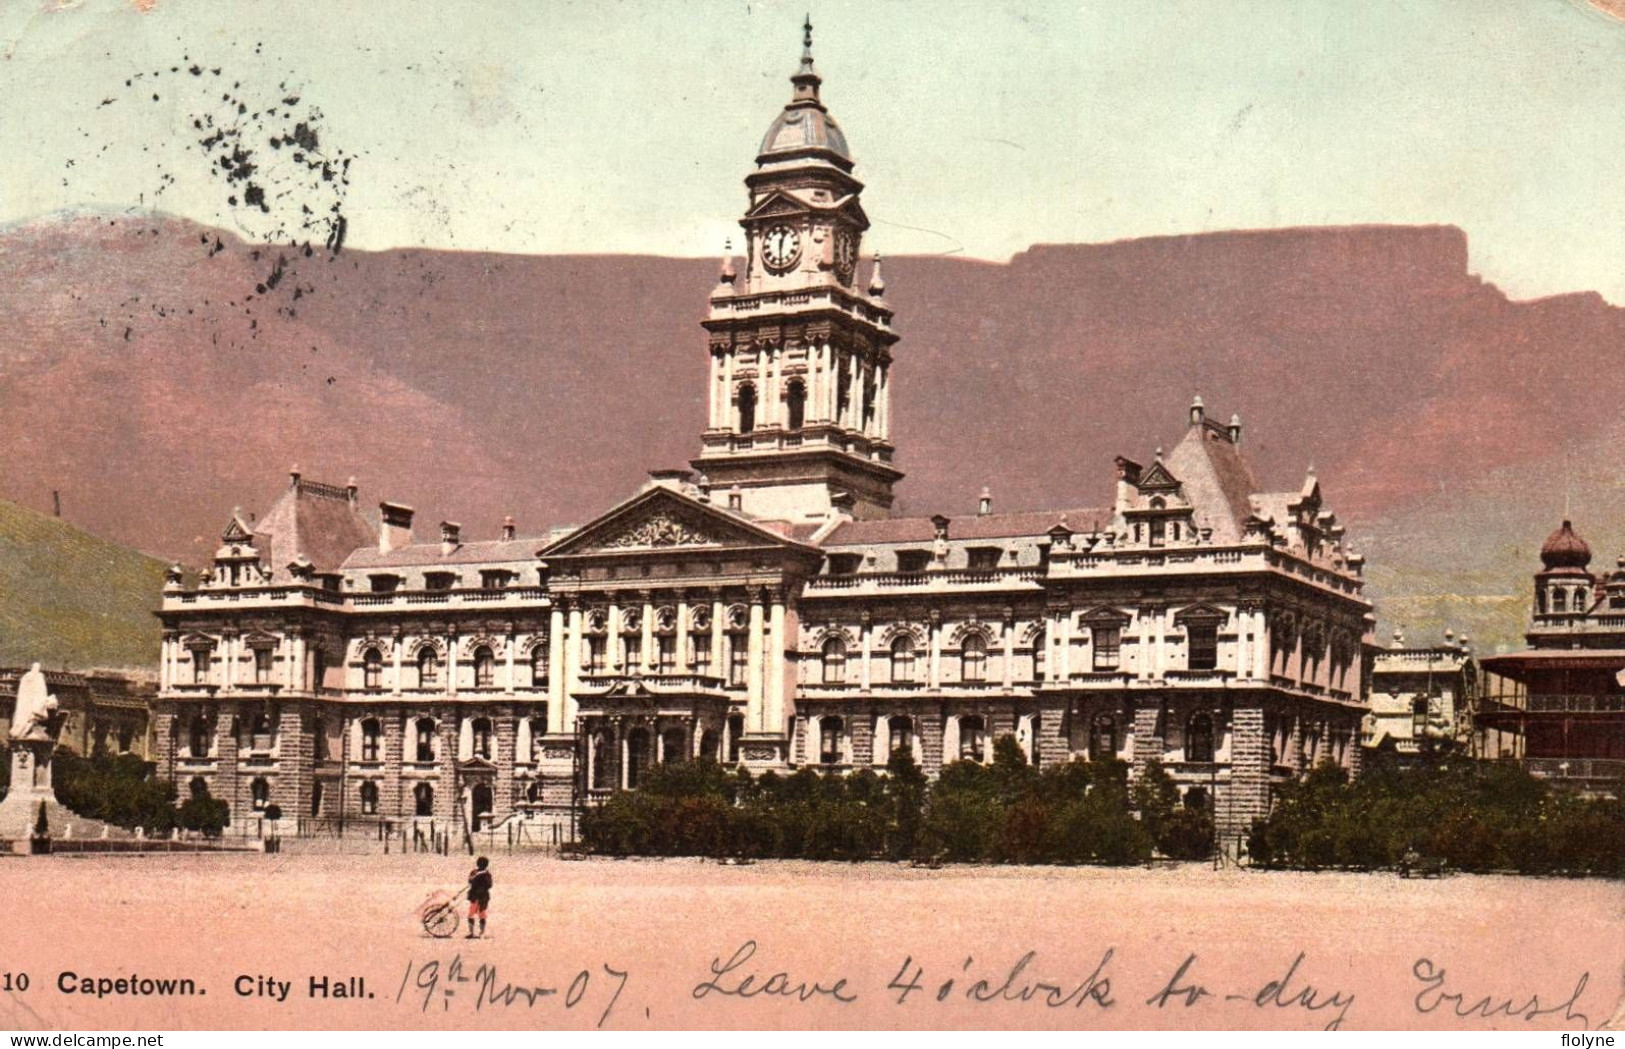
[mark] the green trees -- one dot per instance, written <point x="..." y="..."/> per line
<point x="117" y="789"/>
<point x="1472" y="816"/>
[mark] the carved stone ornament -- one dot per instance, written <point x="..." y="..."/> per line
<point x="659" y="529"/>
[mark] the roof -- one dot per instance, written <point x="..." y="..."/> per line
<point x="969" y="526"/>
<point x="1555" y="659"/>
<point x="417" y="555"/>
<point x="1216" y="479"/>
<point x="1565" y="549"/>
<point x="322" y="523"/>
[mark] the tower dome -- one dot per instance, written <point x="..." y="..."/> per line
<point x="1564" y="549"/>
<point x="804" y="127"/>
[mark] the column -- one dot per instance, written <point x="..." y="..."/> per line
<point x="228" y="661"/>
<point x="570" y="673"/>
<point x="866" y="644"/>
<point x="296" y="662"/>
<point x="1161" y="651"/>
<point x="883" y="403"/>
<point x="399" y="645"/>
<point x="513" y="639"/>
<point x="1261" y="646"/>
<point x="451" y="663"/>
<point x="682" y="633"/>
<point x="775" y="666"/>
<point x="1143" y="627"/>
<point x="165" y="646"/>
<point x="767" y="411"/>
<point x="612" y="643"/>
<point x="755" y="707"/>
<point x="1065" y="630"/>
<point x="1243" y="662"/>
<point x="558" y="671"/>
<point x="648" y="636"/>
<point x="854" y="397"/>
<point x="718" y="669"/>
<point x="727" y="391"/>
<point x="934" y="647"/>
<point x="1009" y="630"/>
<point x="713" y="379"/>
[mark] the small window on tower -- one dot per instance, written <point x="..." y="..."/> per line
<point x="747" y="408"/>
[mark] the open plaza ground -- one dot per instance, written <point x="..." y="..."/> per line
<point x="307" y="940"/>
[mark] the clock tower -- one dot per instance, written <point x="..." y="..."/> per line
<point x="800" y="379"/>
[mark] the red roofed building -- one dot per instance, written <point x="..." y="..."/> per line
<point x="770" y="608"/>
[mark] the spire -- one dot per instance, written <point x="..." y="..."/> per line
<point x="806" y="79"/>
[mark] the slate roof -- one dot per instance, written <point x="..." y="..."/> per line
<point x="1217" y="479"/>
<point x="423" y="555"/>
<point x="320" y="522"/>
<point x="967" y="526"/>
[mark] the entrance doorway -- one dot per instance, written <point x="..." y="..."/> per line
<point x="480" y="805"/>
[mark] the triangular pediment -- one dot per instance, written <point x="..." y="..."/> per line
<point x="778" y="203"/>
<point x="236" y="531"/>
<point x="661" y="519"/>
<point x="1157" y="479"/>
<point x="1202" y="611"/>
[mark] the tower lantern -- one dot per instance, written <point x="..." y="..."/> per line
<point x="800" y="375"/>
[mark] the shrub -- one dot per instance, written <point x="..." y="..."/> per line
<point x="204" y="814"/>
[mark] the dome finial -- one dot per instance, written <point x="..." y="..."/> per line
<point x="877" y="284"/>
<point x="806" y="79"/>
<point x="806" y="42"/>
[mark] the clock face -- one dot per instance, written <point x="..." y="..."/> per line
<point x="846" y="255"/>
<point x="781" y="246"/>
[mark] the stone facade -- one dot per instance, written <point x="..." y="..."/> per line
<point x="771" y="609"/>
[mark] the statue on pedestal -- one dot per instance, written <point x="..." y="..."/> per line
<point x="31" y="717"/>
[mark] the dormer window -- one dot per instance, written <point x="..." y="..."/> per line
<point x="911" y="562"/>
<point x="385" y="584"/>
<point x="495" y="579"/>
<point x="439" y="580"/>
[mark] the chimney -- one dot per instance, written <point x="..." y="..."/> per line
<point x="1128" y="479"/>
<point x="395" y="527"/>
<point x="451" y="537"/>
<point x="1197" y="411"/>
<point x="351" y="491"/>
<point x="984" y="505"/>
<point x="1235" y="429"/>
<point x="507" y="527"/>
<point x="293" y="476"/>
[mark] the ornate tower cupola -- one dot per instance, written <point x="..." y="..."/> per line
<point x="800" y="380"/>
<point x="1564" y="584"/>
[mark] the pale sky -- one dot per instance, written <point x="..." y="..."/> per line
<point x="981" y="127"/>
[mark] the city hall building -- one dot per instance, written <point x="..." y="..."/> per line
<point x="766" y="607"/>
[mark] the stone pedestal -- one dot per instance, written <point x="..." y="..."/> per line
<point x="31" y="785"/>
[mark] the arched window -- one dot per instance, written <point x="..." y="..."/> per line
<point x="972" y="738"/>
<point x="485" y="667"/>
<point x="198" y="788"/>
<point x="747" y="407"/>
<point x="1580" y="600"/>
<point x="834" y="663"/>
<point x="538" y="729"/>
<point x="199" y="742"/>
<point x="372" y="670"/>
<point x="1196" y="799"/>
<point x="795" y="403"/>
<point x="673" y="746"/>
<point x="428" y="669"/>
<point x="1199" y="738"/>
<point x="902" y="660"/>
<point x="830" y="732"/>
<point x="259" y="793"/>
<point x="1560" y="600"/>
<point x="637" y="756"/>
<point x="973" y="658"/>
<point x="1103" y="738"/>
<point x="533" y="793"/>
<point x="482" y="738"/>
<point x="425" y="740"/>
<point x="900" y="735"/>
<point x="423" y="799"/>
<point x="372" y="735"/>
<point x="369" y="798"/>
<point x="603" y="760"/>
<point x="538" y="665"/>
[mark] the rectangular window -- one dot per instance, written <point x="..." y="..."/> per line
<point x="495" y="579"/>
<point x="425" y="748"/>
<point x="595" y="654"/>
<point x="666" y="653"/>
<point x="738" y="658"/>
<point x="845" y="564"/>
<point x="633" y="647"/>
<point x="1204" y="643"/>
<point x="984" y="558"/>
<point x="913" y="561"/>
<point x="439" y="581"/>
<point x="1159" y="532"/>
<point x="385" y="584"/>
<point x="700" y="647"/>
<point x="262" y="666"/>
<point x="369" y="742"/>
<point x="1108" y="643"/>
<point x="200" y="666"/>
